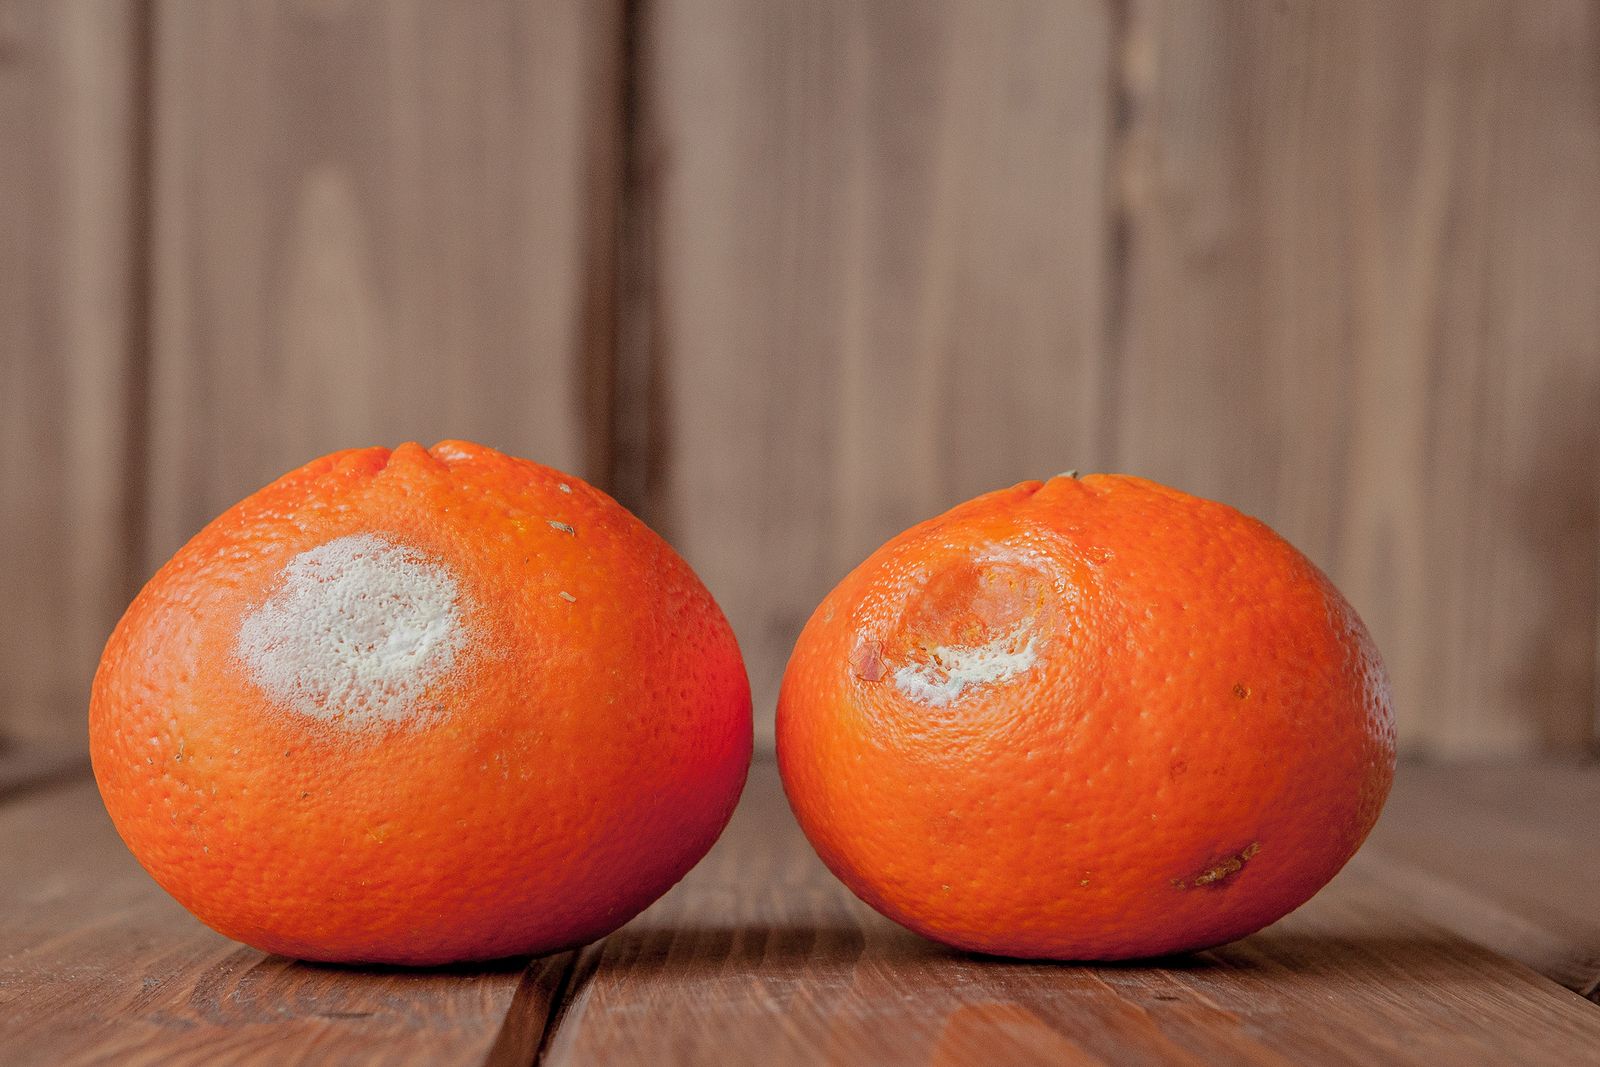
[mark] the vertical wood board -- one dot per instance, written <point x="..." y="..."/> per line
<point x="68" y="128"/>
<point x="879" y="238"/>
<point x="376" y="222"/>
<point x="1359" y="302"/>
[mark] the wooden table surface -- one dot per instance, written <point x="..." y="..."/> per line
<point x="1466" y="932"/>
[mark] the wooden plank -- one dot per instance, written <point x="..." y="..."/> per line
<point x="1506" y="856"/>
<point x="376" y="222"/>
<point x="761" y="956"/>
<point x="878" y="236"/>
<point x="1359" y="302"/>
<point x="68" y="117"/>
<point x="98" y="965"/>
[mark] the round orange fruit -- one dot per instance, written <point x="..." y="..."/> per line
<point x="1088" y="718"/>
<point x="422" y="706"/>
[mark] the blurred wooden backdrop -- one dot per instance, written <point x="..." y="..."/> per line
<point x="789" y="276"/>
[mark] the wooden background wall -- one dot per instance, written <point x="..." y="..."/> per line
<point x="789" y="276"/>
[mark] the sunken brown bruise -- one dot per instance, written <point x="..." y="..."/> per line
<point x="1218" y="873"/>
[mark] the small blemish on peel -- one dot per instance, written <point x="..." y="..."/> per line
<point x="1221" y="871"/>
<point x="449" y="452"/>
<point x="866" y="660"/>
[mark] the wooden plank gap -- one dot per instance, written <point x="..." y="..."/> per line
<point x="529" y="1020"/>
<point x="1126" y="43"/>
<point x="139" y="323"/>
<point x="567" y="1014"/>
<point x="602" y="253"/>
<point x="638" y="439"/>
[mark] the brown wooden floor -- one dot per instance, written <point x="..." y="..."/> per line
<point x="1467" y="931"/>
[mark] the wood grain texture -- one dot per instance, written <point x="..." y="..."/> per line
<point x="1359" y="302"/>
<point x="761" y="956"/>
<point x="376" y="222"/>
<point x="1331" y="262"/>
<point x="68" y="96"/>
<point x="98" y="965"/>
<point x="878" y="236"/>
<point x="1506" y="856"/>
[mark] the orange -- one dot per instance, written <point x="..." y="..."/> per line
<point x="421" y="706"/>
<point x="1086" y="719"/>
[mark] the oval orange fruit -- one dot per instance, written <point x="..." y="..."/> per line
<point x="421" y="706"/>
<point x="1086" y="719"/>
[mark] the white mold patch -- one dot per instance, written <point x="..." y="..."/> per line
<point x="449" y="452"/>
<point x="952" y="670"/>
<point x="356" y="632"/>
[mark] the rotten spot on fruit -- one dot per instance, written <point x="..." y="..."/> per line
<point x="357" y="629"/>
<point x="971" y="624"/>
<point x="1219" y="872"/>
<point x="1241" y="690"/>
<point x="556" y="524"/>
<point x="866" y="660"/>
<point x="564" y="487"/>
